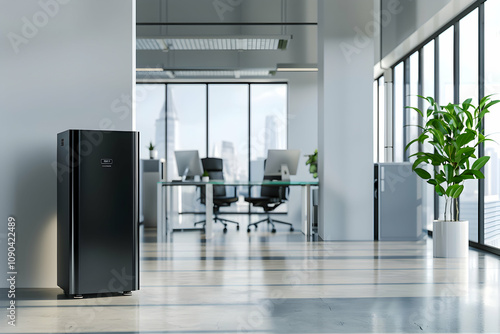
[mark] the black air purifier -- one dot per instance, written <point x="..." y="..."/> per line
<point x="97" y="212"/>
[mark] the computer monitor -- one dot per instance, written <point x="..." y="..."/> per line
<point x="282" y="162"/>
<point x="188" y="163"/>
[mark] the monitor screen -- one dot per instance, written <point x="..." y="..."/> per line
<point x="188" y="163"/>
<point x="277" y="158"/>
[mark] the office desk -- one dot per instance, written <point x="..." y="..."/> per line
<point x="163" y="214"/>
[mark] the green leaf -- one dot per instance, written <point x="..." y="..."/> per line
<point x="440" y="178"/>
<point x="477" y="174"/>
<point x="439" y="190"/>
<point x="438" y="125"/>
<point x="419" y="161"/>
<point x="448" y="171"/>
<point x="454" y="191"/>
<point x="438" y="136"/>
<point x="416" y="109"/>
<point x="429" y="111"/>
<point x="492" y="103"/>
<point x="466" y="150"/>
<point x="466" y="104"/>
<point x="464" y="139"/>
<point x="467" y="175"/>
<point x="422" y="173"/>
<point x="410" y="143"/>
<point x="432" y="181"/>
<point x="479" y="163"/>
<point x="484" y="100"/>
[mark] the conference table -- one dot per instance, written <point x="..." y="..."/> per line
<point x="166" y="212"/>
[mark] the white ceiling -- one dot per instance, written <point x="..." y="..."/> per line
<point x="219" y="18"/>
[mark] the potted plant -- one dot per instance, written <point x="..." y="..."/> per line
<point x="312" y="161"/>
<point x="152" y="152"/>
<point x="454" y="132"/>
<point x="205" y="177"/>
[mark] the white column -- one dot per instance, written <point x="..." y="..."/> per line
<point x="345" y="128"/>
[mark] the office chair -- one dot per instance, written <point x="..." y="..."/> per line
<point x="213" y="166"/>
<point x="270" y="198"/>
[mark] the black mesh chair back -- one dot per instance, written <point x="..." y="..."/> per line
<point x="270" y="198"/>
<point x="275" y="192"/>
<point x="213" y="166"/>
<point x="278" y="192"/>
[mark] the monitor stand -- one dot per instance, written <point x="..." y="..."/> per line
<point x="285" y="173"/>
<point x="184" y="174"/>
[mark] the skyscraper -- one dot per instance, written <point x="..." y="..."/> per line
<point x="167" y="134"/>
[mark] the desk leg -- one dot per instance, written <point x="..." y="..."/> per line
<point x="306" y="211"/>
<point x="160" y="213"/>
<point x="172" y="211"/>
<point x="209" y="206"/>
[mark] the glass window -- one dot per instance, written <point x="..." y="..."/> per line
<point x="177" y="116"/>
<point x="228" y="128"/>
<point x="412" y="100"/>
<point x="186" y="122"/>
<point x="469" y="74"/>
<point x="150" y="118"/>
<point x="446" y="94"/>
<point x="398" y="113"/>
<point x="428" y="89"/>
<point x="381" y="120"/>
<point x="375" y="121"/>
<point x="446" y="67"/>
<point x="268" y="126"/>
<point x="428" y="77"/>
<point x="268" y="130"/>
<point x="492" y="126"/>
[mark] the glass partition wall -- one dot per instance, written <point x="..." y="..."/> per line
<point x="459" y="61"/>
<point x="237" y="122"/>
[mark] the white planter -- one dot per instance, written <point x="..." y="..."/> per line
<point x="205" y="179"/>
<point x="450" y="238"/>
<point x="153" y="154"/>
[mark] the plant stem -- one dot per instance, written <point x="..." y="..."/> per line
<point x="445" y="207"/>
<point x="457" y="209"/>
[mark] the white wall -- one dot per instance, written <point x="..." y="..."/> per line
<point x="345" y="128"/>
<point x="74" y="70"/>
<point x="302" y="131"/>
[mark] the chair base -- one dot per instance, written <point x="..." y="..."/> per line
<point x="223" y="221"/>
<point x="271" y="221"/>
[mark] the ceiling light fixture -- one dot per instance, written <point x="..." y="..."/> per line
<point x="200" y="73"/>
<point x="221" y="73"/>
<point x="144" y="69"/>
<point x="296" y="68"/>
<point x="155" y="75"/>
<point x="240" y="43"/>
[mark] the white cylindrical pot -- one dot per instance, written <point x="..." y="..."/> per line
<point x="153" y="154"/>
<point x="450" y="238"/>
<point x="205" y="179"/>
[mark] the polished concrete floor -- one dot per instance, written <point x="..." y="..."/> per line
<point x="261" y="282"/>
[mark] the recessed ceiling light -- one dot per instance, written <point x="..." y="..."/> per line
<point x="244" y="43"/>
